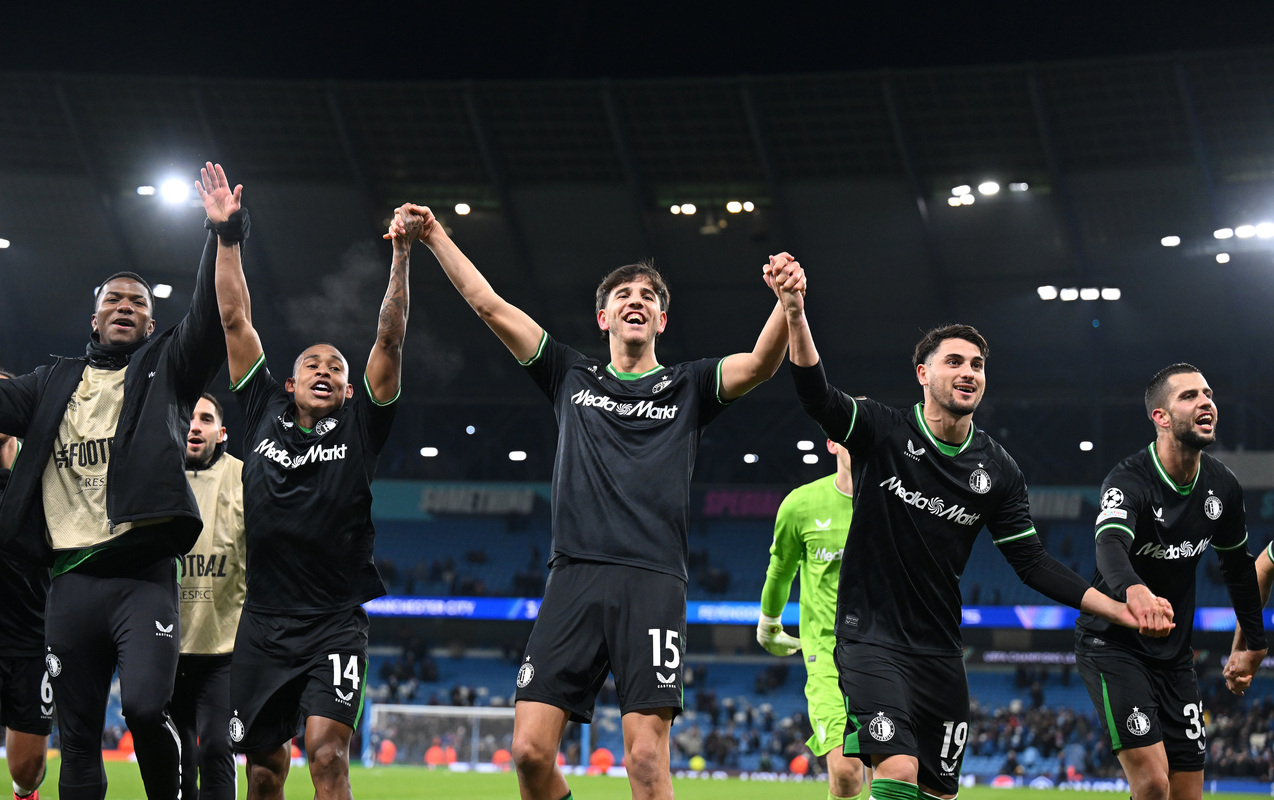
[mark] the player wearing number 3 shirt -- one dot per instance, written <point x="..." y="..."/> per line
<point x="930" y="482"/>
<point x="311" y="447"/>
<point x="1161" y="509"/>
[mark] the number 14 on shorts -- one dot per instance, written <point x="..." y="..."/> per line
<point x="350" y="672"/>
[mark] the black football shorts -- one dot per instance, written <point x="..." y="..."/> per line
<point x="26" y="695"/>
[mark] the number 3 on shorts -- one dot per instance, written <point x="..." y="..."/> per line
<point x="1194" y="714"/>
<point x="351" y="670"/>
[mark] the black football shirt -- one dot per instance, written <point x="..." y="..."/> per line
<point x="307" y="499"/>
<point x="1171" y="527"/>
<point x="23" y="590"/>
<point x="626" y="448"/>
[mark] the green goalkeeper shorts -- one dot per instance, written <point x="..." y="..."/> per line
<point x="826" y="704"/>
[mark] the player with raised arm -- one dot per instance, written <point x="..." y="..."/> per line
<point x="1161" y="508"/>
<point x="809" y="535"/>
<point x="628" y="431"/>
<point x="930" y="481"/>
<point x="212" y="592"/>
<point x="311" y="448"/>
<point x="1237" y="680"/>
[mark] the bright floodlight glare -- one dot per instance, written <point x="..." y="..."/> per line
<point x="805" y="444"/>
<point x="748" y="205"/>
<point x="1265" y="230"/>
<point x="1089" y="293"/>
<point x="469" y="429"/>
<point x="162" y="290"/>
<point x="463" y="209"/>
<point x="1047" y="292"/>
<point x="1170" y="241"/>
<point x="954" y="202"/>
<point x="734" y="206"/>
<point x="145" y="191"/>
<point x="1111" y="293"/>
<point x="988" y="187"/>
<point x="1068" y="295"/>
<point x="810" y="458"/>
<point x="174" y="190"/>
<point x="4" y="244"/>
<point x="675" y="209"/>
<point x="1223" y="258"/>
<point x="517" y="455"/>
<point x="751" y="458"/>
<point x="428" y="452"/>
<point x="688" y="208"/>
<point x="1245" y="231"/>
<point x="1021" y="186"/>
<point x="962" y="189"/>
<point x="1223" y="233"/>
<point x="966" y="199"/>
<point x="1085" y="446"/>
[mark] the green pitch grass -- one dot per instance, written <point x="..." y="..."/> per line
<point x="412" y="783"/>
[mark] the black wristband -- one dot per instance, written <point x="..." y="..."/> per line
<point x="235" y="229"/>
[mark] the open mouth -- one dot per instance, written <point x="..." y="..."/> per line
<point x="321" y="389"/>
<point x="635" y="318"/>
<point x="1205" y="421"/>
<point x="966" y="390"/>
<point x="194" y="441"/>
<point x="123" y="323"/>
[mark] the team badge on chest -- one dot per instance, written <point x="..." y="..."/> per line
<point x="980" y="481"/>
<point x="1212" y="507"/>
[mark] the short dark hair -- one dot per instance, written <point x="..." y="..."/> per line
<point x="631" y="272"/>
<point x="1157" y="389"/>
<point x="216" y="404"/>
<point x="132" y="276"/>
<point x="7" y="374"/>
<point x="296" y="364"/>
<point x="935" y="337"/>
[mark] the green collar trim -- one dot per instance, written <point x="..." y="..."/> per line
<point x="943" y="447"/>
<point x="302" y="427"/>
<point x="1185" y="490"/>
<point x="631" y="376"/>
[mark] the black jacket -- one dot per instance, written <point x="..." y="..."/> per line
<point x="146" y="474"/>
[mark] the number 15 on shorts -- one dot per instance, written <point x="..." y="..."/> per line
<point x="350" y="673"/>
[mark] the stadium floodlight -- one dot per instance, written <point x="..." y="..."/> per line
<point x="1223" y="233"/>
<point x="469" y="429"/>
<point x="805" y="444"/>
<point x="1020" y="186"/>
<point x="517" y="455"/>
<point x="1089" y="293"/>
<point x="162" y="290"/>
<point x="1265" y="230"/>
<point x="810" y="458"/>
<point x="463" y="209"/>
<point x="1111" y="293"/>
<point x="988" y="187"/>
<point x="688" y="208"/>
<point x="146" y="191"/>
<point x="4" y="244"/>
<point x="1068" y="295"/>
<point x="1170" y="241"/>
<point x="1085" y="446"/>
<point x="175" y="191"/>
<point x="1223" y="258"/>
<point x="1245" y="231"/>
<point x="966" y="199"/>
<point x="1047" y="292"/>
<point x="751" y="458"/>
<point x="961" y="190"/>
<point x="428" y="452"/>
<point x="734" y="206"/>
<point x="953" y="201"/>
<point x="749" y="206"/>
<point x="675" y="209"/>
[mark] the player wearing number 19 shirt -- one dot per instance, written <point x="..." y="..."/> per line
<point x="930" y="482"/>
<point x="628" y="431"/>
<point x="312" y="444"/>
<point x="1161" y="509"/>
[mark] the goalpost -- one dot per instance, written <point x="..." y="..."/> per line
<point x="462" y="734"/>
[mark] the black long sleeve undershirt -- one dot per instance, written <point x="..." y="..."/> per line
<point x="1238" y="569"/>
<point x="1043" y="573"/>
<point x="1114" y="564"/>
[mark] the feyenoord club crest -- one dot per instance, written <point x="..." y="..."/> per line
<point x="236" y="729"/>
<point x="881" y="727"/>
<point x="1138" y="723"/>
<point x="980" y="481"/>
<point x="663" y="384"/>
<point x="1212" y="507"/>
<point x="1113" y="498"/>
<point x="53" y="664"/>
<point x="525" y="673"/>
<point x="324" y="425"/>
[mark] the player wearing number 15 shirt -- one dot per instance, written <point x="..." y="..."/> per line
<point x="930" y="482"/>
<point x="1162" y="508"/>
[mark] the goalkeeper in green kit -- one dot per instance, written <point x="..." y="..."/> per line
<point x="809" y="533"/>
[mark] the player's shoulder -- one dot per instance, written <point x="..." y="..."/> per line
<point x="1136" y="469"/>
<point x="1217" y="472"/>
<point x="810" y="491"/>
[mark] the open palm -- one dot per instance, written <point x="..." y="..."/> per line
<point x="219" y="200"/>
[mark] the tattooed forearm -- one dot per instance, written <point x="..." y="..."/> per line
<point x="393" y="309"/>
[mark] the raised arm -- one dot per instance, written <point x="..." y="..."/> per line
<point x="516" y="329"/>
<point x="243" y="345"/>
<point x="786" y="278"/>
<point x="742" y="372"/>
<point x="384" y="365"/>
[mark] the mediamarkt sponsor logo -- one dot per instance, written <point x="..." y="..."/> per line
<point x="823" y="554"/>
<point x="644" y="408"/>
<point x="318" y="452"/>
<point x="934" y="505"/>
<point x="1174" y="551"/>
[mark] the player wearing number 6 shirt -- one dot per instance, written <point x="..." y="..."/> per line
<point x="930" y="481"/>
<point x="311" y="447"/>
<point x="1161" y="509"/>
<point x="628" y="431"/>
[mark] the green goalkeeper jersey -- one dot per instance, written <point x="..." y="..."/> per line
<point x="809" y="533"/>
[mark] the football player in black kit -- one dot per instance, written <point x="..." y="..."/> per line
<point x="628" y="430"/>
<point x="930" y="481"/>
<point x="26" y="696"/>
<point x="312" y="443"/>
<point x="1161" y="509"/>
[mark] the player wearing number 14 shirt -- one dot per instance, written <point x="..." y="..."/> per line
<point x="930" y="482"/>
<point x="1161" y="509"/>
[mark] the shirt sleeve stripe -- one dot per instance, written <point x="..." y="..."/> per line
<point x="368" y="385"/>
<point x="539" y="350"/>
<point x="1114" y="526"/>
<point x="852" y="419"/>
<point x="1014" y="537"/>
<point x="234" y="387"/>
<point x="1219" y="548"/>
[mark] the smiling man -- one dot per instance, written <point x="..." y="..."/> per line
<point x="628" y="431"/>
<point x="930" y="482"/>
<point x="1161" y="508"/>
